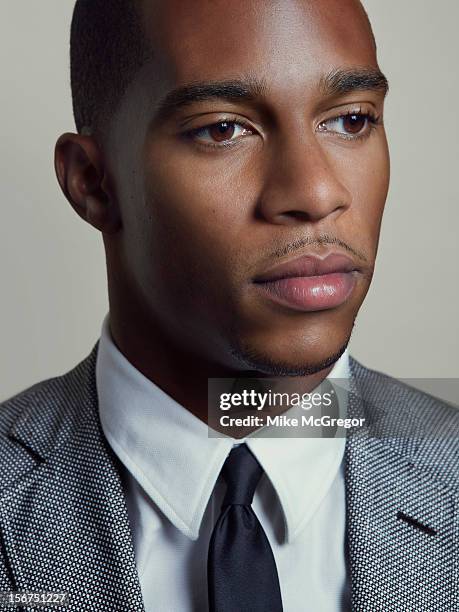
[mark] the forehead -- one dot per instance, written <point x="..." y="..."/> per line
<point x="277" y="40"/>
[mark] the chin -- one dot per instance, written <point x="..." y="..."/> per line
<point x="267" y="365"/>
<point x="301" y="356"/>
<point x="277" y="341"/>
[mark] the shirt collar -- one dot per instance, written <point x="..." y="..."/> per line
<point x="168" y="450"/>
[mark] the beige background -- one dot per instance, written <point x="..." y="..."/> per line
<point x="52" y="268"/>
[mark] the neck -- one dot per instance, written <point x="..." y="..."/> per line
<point x="177" y="370"/>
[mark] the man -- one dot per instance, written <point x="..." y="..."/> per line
<point x="233" y="156"/>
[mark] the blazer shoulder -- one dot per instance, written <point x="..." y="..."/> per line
<point x="43" y="401"/>
<point x="412" y="405"/>
<point x="34" y="421"/>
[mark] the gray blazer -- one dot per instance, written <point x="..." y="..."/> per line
<point x="65" y="528"/>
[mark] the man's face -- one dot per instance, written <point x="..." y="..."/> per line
<point x="269" y="159"/>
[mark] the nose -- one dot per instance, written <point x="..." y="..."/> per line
<point x="302" y="184"/>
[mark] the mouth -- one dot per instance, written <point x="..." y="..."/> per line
<point x="310" y="283"/>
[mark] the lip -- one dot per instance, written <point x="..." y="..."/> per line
<point x="310" y="283"/>
<point x="308" y="265"/>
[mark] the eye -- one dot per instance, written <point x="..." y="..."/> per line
<point x="220" y="133"/>
<point x="350" y="125"/>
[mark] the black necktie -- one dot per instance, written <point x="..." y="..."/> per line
<point x="241" y="571"/>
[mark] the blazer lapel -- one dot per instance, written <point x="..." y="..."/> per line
<point x="401" y="519"/>
<point x="64" y="521"/>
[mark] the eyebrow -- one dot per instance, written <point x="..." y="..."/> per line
<point x="344" y="81"/>
<point x="246" y="89"/>
<point x="249" y="89"/>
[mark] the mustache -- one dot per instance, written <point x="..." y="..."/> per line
<point x="321" y="240"/>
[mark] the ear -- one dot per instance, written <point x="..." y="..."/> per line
<point x="80" y="171"/>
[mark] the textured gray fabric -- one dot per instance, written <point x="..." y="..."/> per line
<point x="406" y="460"/>
<point x="65" y="528"/>
<point x="64" y="522"/>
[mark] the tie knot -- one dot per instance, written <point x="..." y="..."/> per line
<point x="241" y="472"/>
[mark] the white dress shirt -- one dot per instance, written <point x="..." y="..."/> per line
<point x="173" y="494"/>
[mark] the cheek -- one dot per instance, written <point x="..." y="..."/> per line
<point x="193" y="214"/>
<point x="366" y="177"/>
<point x="203" y="202"/>
<point x="207" y="188"/>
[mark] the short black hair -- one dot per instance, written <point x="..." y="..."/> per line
<point x="107" y="47"/>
